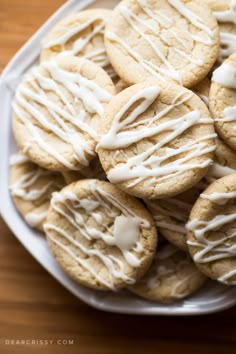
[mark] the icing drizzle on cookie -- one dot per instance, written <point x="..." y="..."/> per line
<point x="33" y="186"/>
<point x="68" y="124"/>
<point x="85" y="34"/>
<point x="123" y="233"/>
<point x="228" y="15"/>
<point x="227" y="45"/>
<point x="131" y="129"/>
<point x="226" y="76"/>
<point x="154" y="29"/>
<point x="222" y="226"/>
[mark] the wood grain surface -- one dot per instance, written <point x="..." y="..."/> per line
<point x="33" y="306"/>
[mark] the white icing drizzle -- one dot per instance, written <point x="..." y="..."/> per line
<point x="204" y="98"/>
<point x="159" y="18"/>
<point x="23" y="188"/>
<point x="217" y="171"/>
<point x="130" y="130"/>
<point x="227" y="45"/>
<point x="68" y="124"/>
<point x="124" y="234"/>
<point x="228" y="15"/>
<point x="225" y="75"/>
<point x="219" y="197"/>
<point x="98" y="56"/>
<point x="221" y="247"/>
<point x="34" y="219"/>
<point x="226" y="277"/>
<point x="18" y="159"/>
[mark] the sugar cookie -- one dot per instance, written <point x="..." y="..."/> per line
<point x="172" y="277"/>
<point x="172" y="214"/>
<point x="100" y="236"/>
<point x="158" y="140"/>
<point x="31" y="188"/>
<point x="212" y="231"/>
<point x="225" y="13"/>
<point x="166" y="39"/>
<point x="222" y="100"/>
<point x="57" y="110"/>
<point x="82" y="35"/>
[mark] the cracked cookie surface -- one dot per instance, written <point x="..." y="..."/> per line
<point x="167" y="39"/>
<point x="81" y="35"/>
<point x="222" y="100"/>
<point x="157" y="140"/>
<point x="57" y="110"/>
<point x="31" y="188"/>
<point x="172" y="277"/>
<point x="212" y="231"/>
<point x="101" y="237"/>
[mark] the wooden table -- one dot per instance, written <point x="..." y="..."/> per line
<point x="34" y="306"/>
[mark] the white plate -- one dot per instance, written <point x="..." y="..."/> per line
<point x="211" y="298"/>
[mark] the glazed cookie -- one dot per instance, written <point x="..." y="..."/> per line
<point x="157" y="140"/>
<point x="202" y="89"/>
<point x="81" y="35"/>
<point x="167" y="39"/>
<point x="222" y="100"/>
<point x="31" y="188"/>
<point x="224" y="162"/>
<point x="94" y="170"/>
<point x="211" y="231"/>
<point x="172" y="214"/>
<point x="225" y="13"/>
<point x="101" y="237"/>
<point x="172" y="277"/>
<point x="57" y="111"/>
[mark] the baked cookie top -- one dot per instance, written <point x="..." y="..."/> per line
<point x="211" y="231"/>
<point x="166" y="39"/>
<point x="31" y="188"/>
<point x="172" y="277"/>
<point x="157" y="140"/>
<point x="82" y="35"/>
<point x="57" y="110"/>
<point x="100" y="236"/>
<point x="222" y="100"/>
<point x="225" y="13"/>
<point x="172" y="214"/>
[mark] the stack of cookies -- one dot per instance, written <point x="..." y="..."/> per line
<point x="127" y="132"/>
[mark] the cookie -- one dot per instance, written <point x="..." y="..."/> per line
<point x="57" y="110"/>
<point x="225" y="13"/>
<point x="224" y="162"/>
<point x="94" y="170"/>
<point x="101" y="237"/>
<point x="211" y="231"/>
<point x="157" y="140"/>
<point x="166" y="39"/>
<point x="82" y="35"/>
<point x="172" y="214"/>
<point x="172" y="277"/>
<point x="222" y="100"/>
<point x="202" y="89"/>
<point x="31" y="188"/>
